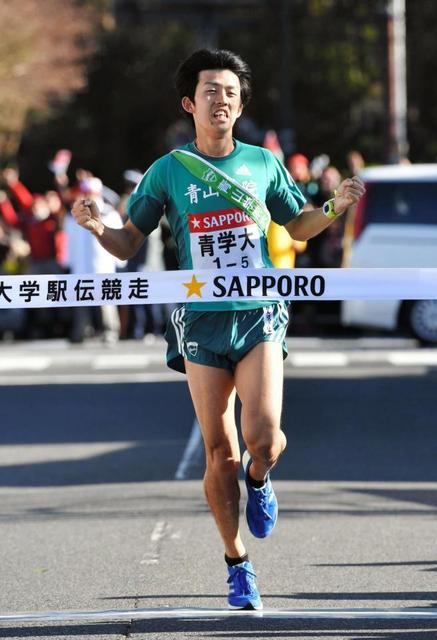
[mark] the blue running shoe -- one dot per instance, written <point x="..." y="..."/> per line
<point x="262" y="505"/>
<point x="243" y="592"/>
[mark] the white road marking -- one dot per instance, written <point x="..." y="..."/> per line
<point x="320" y="359"/>
<point x="191" y="450"/>
<point x="195" y="614"/>
<point x="378" y="371"/>
<point x="332" y="373"/>
<point x="125" y="361"/>
<point x="91" y="378"/>
<point x="28" y="363"/>
<point x="174" y="376"/>
<point x="426" y="357"/>
<point x="113" y="368"/>
<point x="160" y="530"/>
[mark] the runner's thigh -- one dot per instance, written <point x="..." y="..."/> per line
<point x="259" y="382"/>
<point x="213" y="394"/>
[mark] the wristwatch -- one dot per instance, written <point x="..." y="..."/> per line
<point x="328" y="209"/>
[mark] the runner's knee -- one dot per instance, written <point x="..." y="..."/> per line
<point x="267" y="447"/>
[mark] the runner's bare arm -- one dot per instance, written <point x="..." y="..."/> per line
<point x="307" y="224"/>
<point x="310" y="223"/>
<point x="122" y="243"/>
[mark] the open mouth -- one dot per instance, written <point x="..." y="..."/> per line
<point x="220" y="115"/>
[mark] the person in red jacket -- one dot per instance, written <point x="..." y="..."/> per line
<point x="39" y="221"/>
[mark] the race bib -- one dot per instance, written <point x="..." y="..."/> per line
<point x="224" y="239"/>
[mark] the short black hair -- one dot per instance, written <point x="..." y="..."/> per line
<point x="187" y="75"/>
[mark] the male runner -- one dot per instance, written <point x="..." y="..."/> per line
<point x="228" y="347"/>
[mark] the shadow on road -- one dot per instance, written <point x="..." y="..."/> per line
<point x="369" y="429"/>
<point x="320" y="596"/>
<point x="148" y="461"/>
<point x="429" y="565"/>
<point x="241" y="628"/>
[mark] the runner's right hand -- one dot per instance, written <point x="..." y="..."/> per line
<point x="87" y="215"/>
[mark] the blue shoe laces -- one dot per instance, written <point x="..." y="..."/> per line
<point x="245" y="579"/>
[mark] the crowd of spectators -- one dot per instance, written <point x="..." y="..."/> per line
<point x="318" y="179"/>
<point x="39" y="236"/>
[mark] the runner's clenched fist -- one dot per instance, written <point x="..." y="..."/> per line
<point x="87" y="215"/>
<point x="348" y="193"/>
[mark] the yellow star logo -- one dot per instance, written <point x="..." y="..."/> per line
<point x="194" y="287"/>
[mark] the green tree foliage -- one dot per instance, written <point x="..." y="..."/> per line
<point x="421" y="23"/>
<point x="336" y="69"/>
<point x="120" y="119"/>
<point x="334" y="64"/>
<point x="41" y="49"/>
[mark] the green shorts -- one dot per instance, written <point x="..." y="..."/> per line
<point x="222" y="338"/>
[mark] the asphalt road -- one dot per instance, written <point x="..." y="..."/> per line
<point x="92" y="518"/>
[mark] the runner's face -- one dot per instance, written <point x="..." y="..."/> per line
<point x="217" y="102"/>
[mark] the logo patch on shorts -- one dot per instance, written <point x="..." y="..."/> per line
<point x="192" y="348"/>
<point x="268" y="320"/>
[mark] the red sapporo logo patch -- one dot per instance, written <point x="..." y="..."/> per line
<point x="218" y="220"/>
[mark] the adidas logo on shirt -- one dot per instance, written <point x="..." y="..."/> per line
<point x="243" y="171"/>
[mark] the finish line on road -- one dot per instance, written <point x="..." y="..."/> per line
<point x="211" y="614"/>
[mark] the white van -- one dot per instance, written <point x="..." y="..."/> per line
<point x="395" y="225"/>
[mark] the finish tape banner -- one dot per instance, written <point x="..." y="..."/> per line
<point x="163" y="287"/>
